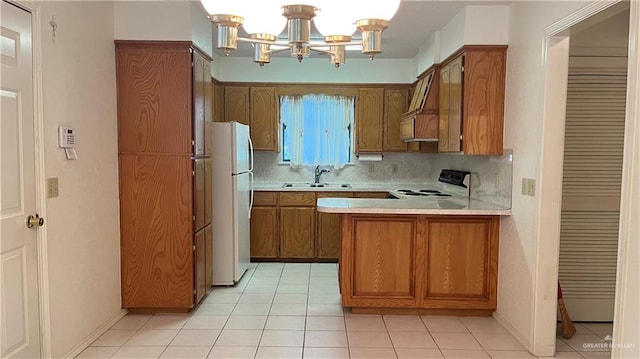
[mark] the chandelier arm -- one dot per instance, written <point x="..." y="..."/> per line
<point x="327" y="52"/>
<point x="257" y="41"/>
<point x="325" y="44"/>
<point x="275" y="51"/>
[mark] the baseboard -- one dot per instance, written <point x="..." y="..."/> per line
<point x="514" y="333"/>
<point x="94" y="335"/>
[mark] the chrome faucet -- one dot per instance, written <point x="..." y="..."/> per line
<point x="319" y="173"/>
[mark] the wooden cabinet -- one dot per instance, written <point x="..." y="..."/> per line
<point x="416" y="261"/>
<point x="218" y="102"/>
<point x="370" y="194"/>
<point x="328" y="235"/>
<point x="471" y="112"/>
<point x="264" y="118"/>
<point x="162" y="112"/>
<point x="396" y="102"/>
<point x="369" y="114"/>
<point x="297" y="230"/>
<point x="208" y="256"/>
<point x="264" y="226"/>
<point x="236" y="104"/>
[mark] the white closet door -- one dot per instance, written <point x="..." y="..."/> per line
<point x="592" y="176"/>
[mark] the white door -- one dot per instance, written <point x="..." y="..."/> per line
<point x="18" y="264"/>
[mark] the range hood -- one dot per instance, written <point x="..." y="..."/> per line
<point x="420" y="123"/>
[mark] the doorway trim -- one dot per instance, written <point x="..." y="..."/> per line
<point x="546" y="249"/>
<point x="41" y="204"/>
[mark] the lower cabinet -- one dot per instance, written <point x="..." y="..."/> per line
<point x="297" y="229"/>
<point x="417" y="261"/>
<point x="328" y="235"/>
<point x="200" y="264"/>
<point x="264" y="233"/>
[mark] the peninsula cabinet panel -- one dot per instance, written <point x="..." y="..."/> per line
<point x="264" y="232"/>
<point x="264" y="118"/>
<point x="236" y="104"/>
<point x="369" y="114"/>
<point x="328" y="236"/>
<point x="156" y="226"/>
<point x="379" y="254"/>
<point x="154" y="98"/>
<point x="297" y="231"/>
<point x="396" y="102"/>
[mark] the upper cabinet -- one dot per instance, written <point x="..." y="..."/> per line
<point x="218" y="101"/>
<point x="236" y="104"/>
<point x="396" y="102"/>
<point x="471" y="111"/>
<point x="369" y="113"/>
<point x="264" y="118"/>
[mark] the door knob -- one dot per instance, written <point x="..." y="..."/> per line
<point x="34" y="221"/>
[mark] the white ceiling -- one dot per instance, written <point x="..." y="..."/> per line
<point x="408" y="29"/>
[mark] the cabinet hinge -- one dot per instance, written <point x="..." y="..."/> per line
<point x="193" y="173"/>
<point x="194" y="247"/>
<point x="461" y="137"/>
<point x="462" y="69"/>
<point x="193" y="218"/>
<point x="193" y="142"/>
<point x="194" y="292"/>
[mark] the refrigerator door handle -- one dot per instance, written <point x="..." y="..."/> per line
<point x="250" y="153"/>
<point x="251" y="193"/>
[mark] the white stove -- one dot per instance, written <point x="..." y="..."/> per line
<point x="451" y="183"/>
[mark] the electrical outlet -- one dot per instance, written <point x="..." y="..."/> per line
<point x="394" y="169"/>
<point x="529" y="187"/>
<point x="52" y="187"/>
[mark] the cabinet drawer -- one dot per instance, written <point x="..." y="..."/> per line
<point x="297" y="199"/>
<point x="261" y="199"/>
<point x="335" y="194"/>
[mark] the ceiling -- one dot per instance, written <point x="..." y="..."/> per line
<point x="408" y="29"/>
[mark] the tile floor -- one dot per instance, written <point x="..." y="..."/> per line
<point x="293" y="311"/>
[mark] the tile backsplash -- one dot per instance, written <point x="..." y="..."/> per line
<point x="491" y="176"/>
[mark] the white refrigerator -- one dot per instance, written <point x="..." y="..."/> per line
<point x="232" y="201"/>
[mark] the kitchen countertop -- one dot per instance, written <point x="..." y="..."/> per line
<point x="360" y="187"/>
<point x="429" y="205"/>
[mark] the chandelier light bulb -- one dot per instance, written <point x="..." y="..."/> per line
<point x="217" y="7"/>
<point x="335" y="17"/>
<point x="264" y="17"/>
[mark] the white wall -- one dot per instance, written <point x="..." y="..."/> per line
<point x="78" y="80"/>
<point x="523" y="133"/>
<point x="201" y="28"/>
<point x="428" y="53"/>
<point x="152" y="20"/>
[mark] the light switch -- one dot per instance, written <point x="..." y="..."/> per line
<point x="52" y="187"/>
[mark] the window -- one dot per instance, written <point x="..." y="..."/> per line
<point x="316" y="129"/>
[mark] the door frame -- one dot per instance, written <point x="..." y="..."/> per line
<point x="40" y="194"/>
<point x="546" y="248"/>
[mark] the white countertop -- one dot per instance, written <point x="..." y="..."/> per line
<point x="428" y="205"/>
<point x="360" y="187"/>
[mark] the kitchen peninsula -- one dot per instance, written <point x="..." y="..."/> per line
<point x="433" y="256"/>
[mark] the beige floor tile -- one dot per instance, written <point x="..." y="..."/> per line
<point x="227" y="298"/>
<point x="482" y="325"/>
<point x="223" y="352"/>
<point x="282" y="338"/>
<point x="290" y="298"/>
<point x="464" y="354"/>
<point x="324" y="266"/>
<point x="251" y="309"/>
<point x="324" y="288"/>
<point x="270" y="265"/>
<point x="372" y="353"/>
<point x="405" y="323"/>
<point x="264" y="281"/>
<point x="227" y="290"/>
<point x="246" y="322"/>
<point x="267" y="273"/>
<point x="138" y="352"/>
<point x="364" y="339"/>
<point x="286" y="322"/>
<point x="326" y="353"/>
<point x="297" y="266"/>
<point x="601" y="329"/>
<point x="323" y="280"/>
<point x="288" y="309"/>
<point x="456" y="341"/>
<point x="214" y="309"/>
<point x="98" y="352"/>
<point x="325" y="310"/>
<point x="325" y="338"/>
<point x="565" y="355"/>
<point x="206" y="322"/>
<point x="596" y="354"/>
<point x="415" y="340"/>
<point x="404" y="353"/>
<point x="200" y="352"/>
<point x="579" y="341"/>
<point x="166" y="321"/>
<point x="152" y="337"/>
<point x="113" y="338"/>
<point x="132" y="321"/>
<point x="373" y="322"/>
<point x="239" y="338"/>
<point x="279" y="353"/>
<point x="292" y="288"/>
<point x="286" y="274"/>
<point x="444" y="324"/>
<point x="561" y="346"/>
<point x="325" y="323"/>
<point x="323" y="298"/>
<point x="498" y="341"/>
<point x="294" y="280"/>
<point x="510" y="354"/>
<point x="196" y="337"/>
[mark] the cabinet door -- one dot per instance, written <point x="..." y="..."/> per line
<point x="208" y="191"/>
<point x="154" y="111"/>
<point x="264" y="232"/>
<point x="199" y="194"/>
<point x="368" y="119"/>
<point x="198" y="104"/>
<point x="328" y="238"/>
<point x="218" y="102"/>
<point x="371" y="194"/>
<point x="200" y="265"/>
<point x="461" y="263"/>
<point x="264" y="118"/>
<point x="450" y="124"/>
<point x="297" y="231"/>
<point x="395" y="104"/>
<point x="208" y="256"/>
<point x="236" y="104"/>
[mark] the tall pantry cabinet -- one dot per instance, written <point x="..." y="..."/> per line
<point x="164" y="153"/>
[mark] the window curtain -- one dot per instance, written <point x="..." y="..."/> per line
<point x="320" y="129"/>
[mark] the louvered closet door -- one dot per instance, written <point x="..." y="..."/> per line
<point x="591" y="186"/>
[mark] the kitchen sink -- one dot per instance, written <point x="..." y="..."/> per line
<point x="315" y="185"/>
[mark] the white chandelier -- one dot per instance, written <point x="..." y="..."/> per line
<point x="336" y="20"/>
